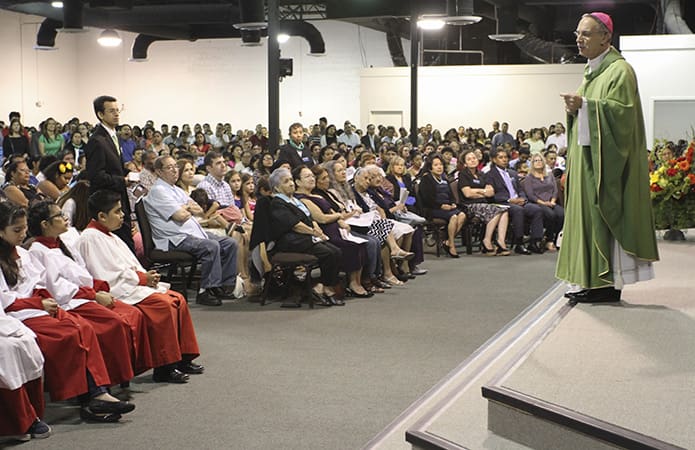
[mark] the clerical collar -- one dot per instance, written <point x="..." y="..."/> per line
<point x="49" y="242"/>
<point x="594" y="63"/>
<point x="98" y="226"/>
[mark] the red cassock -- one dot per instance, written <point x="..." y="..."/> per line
<point x="21" y="407"/>
<point x="70" y="348"/>
<point x="170" y="327"/>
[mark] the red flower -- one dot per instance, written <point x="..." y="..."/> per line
<point x="656" y="188"/>
<point x="691" y="177"/>
<point x="671" y="172"/>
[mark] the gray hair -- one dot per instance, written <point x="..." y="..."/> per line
<point x="276" y="177"/>
<point x="342" y="189"/>
<point x="159" y="162"/>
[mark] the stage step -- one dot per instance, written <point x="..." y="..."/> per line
<point x="453" y="414"/>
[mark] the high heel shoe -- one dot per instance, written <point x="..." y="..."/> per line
<point x="402" y="254"/>
<point x="453" y="255"/>
<point x="350" y="292"/>
<point x="502" y="251"/>
<point x="487" y="251"/>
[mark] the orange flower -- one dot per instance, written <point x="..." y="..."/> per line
<point x="656" y="188"/>
<point x="684" y="166"/>
<point x="691" y="177"/>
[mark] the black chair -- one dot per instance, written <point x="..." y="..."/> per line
<point x="168" y="262"/>
<point x="283" y="264"/>
<point x="473" y="230"/>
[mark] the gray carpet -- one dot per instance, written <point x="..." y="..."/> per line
<point x="329" y="378"/>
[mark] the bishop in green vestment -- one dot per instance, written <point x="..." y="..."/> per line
<point x="608" y="238"/>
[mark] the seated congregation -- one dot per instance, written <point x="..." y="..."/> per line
<point x="82" y="313"/>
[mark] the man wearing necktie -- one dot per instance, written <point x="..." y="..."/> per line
<point x="104" y="167"/>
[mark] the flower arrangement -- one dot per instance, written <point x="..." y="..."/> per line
<point x="672" y="187"/>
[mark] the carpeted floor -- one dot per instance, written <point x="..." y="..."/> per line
<point x="329" y="378"/>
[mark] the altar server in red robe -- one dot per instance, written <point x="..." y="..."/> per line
<point x="74" y="365"/>
<point x="120" y="328"/>
<point x="172" y="336"/>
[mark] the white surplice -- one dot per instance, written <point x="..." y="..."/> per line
<point x="108" y="258"/>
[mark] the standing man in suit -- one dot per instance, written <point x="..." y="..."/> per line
<point x="295" y="152"/>
<point x="370" y="140"/>
<point x="104" y="167"/>
<point x="508" y="192"/>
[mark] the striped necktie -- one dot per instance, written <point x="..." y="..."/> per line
<point x="115" y="142"/>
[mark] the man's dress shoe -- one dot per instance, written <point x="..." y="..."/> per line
<point x="596" y="295"/>
<point x="190" y="367"/>
<point x="169" y="375"/>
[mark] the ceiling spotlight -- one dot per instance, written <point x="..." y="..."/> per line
<point x="430" y="23"/>
<point x="109" y="38"/>
<point x="282" y="38"/>
<point x="57" y="4"/>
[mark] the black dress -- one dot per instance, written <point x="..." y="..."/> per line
<point x="284" y="217"/>
<point x="353" y="253"/>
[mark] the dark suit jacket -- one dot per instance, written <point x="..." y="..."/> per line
<point x="501" y="193"/>
<point x="367" y="144"/>
<point x="104" y="169"/>
<point x="289" y="154"/>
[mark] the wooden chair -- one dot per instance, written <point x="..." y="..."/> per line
<point x="168" y="262"/>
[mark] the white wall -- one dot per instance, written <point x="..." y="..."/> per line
<point x="664" y="66"/>
<point x="525" y="96"/>
<point x="204" y="81"/>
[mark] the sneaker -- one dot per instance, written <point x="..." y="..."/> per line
<point x="418" y="271"/>
<point x="39" y="430"/>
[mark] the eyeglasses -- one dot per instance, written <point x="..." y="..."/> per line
<point x="170" y="167"/>
<point x="114" y="110"/>
<point x="60" y="214"/>
<point x="586" y="34"/>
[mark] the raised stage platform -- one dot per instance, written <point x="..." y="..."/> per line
<point x="574" y="377"/>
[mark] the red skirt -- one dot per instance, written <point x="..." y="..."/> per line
<point x="20" y="408"/>
<point x="113" y="334"/>
<point x="70" y="348"/>
<point x="172" y="336"/>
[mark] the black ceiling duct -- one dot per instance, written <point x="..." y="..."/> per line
<point x="313" y="36"/>
<point x="251" y="15"/>
<point x="72" y="16"/>
<point x="141" y="44"/>
<point x="46" y="37"/>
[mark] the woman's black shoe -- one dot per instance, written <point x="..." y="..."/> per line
<point x="502" y="251"/>
<point x="453" y="255"/>
<point x="352" y="293"/>
<point x="104" y="407"/>
<point x="332" y="301"/>
<point x="89" y="416"/>
<point x="486" y="251"/>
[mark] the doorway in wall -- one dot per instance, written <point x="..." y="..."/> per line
<point x="386" y="118"/>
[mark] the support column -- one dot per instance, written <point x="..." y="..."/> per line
<point x="273" y="76"/>
<point x="414" y="56"/>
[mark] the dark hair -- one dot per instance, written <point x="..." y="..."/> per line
<point x="46" y="161"/>
<point x="102" y="201"/>
<point x="55" y="169"/>
<point x="495" y="151"/>
<point x="296" y="125"/>
<point x="209" y="156"/>
<point x="323" y="151"/>
<point x="99" y="104"/>
<point x="12" y="168"/>
<point x="79" y="193"/>
<point x="427" y="167"/>
<point x="38" y="212"/>
<point x="199" y="196"/>
<point x="297" y="171"/>
<point x="9" y="213"/>
<point x="262" y="183"/>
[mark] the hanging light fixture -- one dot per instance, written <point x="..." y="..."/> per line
<point x="460" y="12"/>
<point x="57" y="4"/>
<point x="283" y="37"/>
<point x="109" y="38"/>
<point x="431" y="23"/>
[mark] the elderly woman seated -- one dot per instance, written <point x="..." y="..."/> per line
<point x="296" y="232"/>
<point x="401" y="232"/>
<point x="333" y="224"/>
<point x="17" y="187"/>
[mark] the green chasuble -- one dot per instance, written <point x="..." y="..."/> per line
<point x="607" y="191"/>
